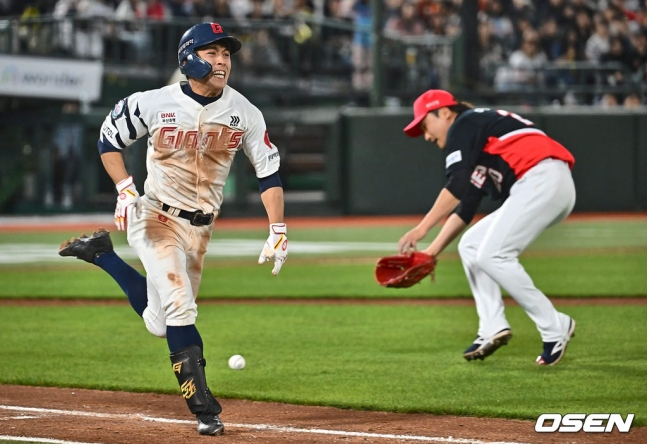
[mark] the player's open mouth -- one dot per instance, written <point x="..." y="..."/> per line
<point x="219" y="74"/>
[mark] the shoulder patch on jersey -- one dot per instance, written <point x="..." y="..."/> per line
<point x="167" y="116"/>
<point x="119" y="108"/>
<point x="453" y="158"/>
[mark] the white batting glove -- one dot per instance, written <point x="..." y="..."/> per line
<point x="128" y="199"/>
<point x="275" y="247"/>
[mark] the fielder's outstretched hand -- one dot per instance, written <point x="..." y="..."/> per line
<point x="127" y="199"/>
<point x="276" y="247"/>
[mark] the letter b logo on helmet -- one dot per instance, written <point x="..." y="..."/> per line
<point x="197" y="36"/>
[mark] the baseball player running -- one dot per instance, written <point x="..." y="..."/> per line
<point x="194" y="129"/>
<point x="507" y="157"/>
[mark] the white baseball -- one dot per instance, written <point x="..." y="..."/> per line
<point x="237" y="362"/>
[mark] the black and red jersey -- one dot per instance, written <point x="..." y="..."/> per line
<point x="489" y="150"/>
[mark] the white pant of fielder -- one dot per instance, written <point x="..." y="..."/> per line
<point x="490" y="249"/>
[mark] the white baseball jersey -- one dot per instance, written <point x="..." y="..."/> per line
<point x="190" y="151"/>
<point x="191" y="147"/>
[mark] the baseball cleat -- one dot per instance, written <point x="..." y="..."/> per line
<point x="87" y="247"/>
<point x="482" y="348"/>
<point x="210" y="425"/>
<point x="554" y="351"/>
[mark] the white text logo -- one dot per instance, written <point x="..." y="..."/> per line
<point x="574" y="422"/>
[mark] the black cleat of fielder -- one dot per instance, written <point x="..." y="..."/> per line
<point x="87" y="247"/>
<point x="482" y="348"/>
<point x="209" y="424"/>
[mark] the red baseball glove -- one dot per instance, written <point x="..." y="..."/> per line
<point x="401" y="271"/>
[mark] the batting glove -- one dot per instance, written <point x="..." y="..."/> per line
<point x="128" y="199"/>
<point x="275" y="247"/>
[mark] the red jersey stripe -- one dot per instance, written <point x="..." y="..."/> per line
<point x="524" y="151"/>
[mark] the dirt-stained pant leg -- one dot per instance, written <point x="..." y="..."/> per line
<point x="544" y="196"/>
<point x="161" y="242"/>
<point x="199" y="238"/>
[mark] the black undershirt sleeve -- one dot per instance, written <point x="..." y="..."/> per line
<point x="458" y="182"/>
<point x="469" y="204"/>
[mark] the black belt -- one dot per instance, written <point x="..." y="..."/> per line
<point x="197" y="218"/>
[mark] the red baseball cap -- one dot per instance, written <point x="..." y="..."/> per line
<point x="427" y="102"/>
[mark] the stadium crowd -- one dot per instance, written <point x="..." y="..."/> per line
<point x="518" y="39"/>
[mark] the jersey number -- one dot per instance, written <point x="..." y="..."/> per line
<point x="480" y="175"/>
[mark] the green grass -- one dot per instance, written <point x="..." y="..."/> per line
<point x="389" y="358"/>
<point x="402" y="358"/>
<point x="588" y="275"/>
<point x="571" y="259"/>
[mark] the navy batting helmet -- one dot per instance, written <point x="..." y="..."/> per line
<point x="197" y="36"/>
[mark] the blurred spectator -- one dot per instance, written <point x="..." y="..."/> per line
<point x="180" y="8"/>
<point x="500" y="26"/>
<point x="583" y="26"/>
<point x="551" y="42"/>
<point x="30" y="30"/>
<point x="553" y="9"/>
<point x="130" y="10"/>
<point x="130" y="31"/>
<point x="405" y="22"/>
<point x="362" y="65"/>
<point x="639" y="50"/>
<point x="281" y="9"/>
<point x="11" y="7"/>
<point x="608" y="101"/>
<point x="91" y="27"/>
<point x="632" y="101"/>
<point x="260" y="54"/>
<point x="336" y="42"/>
<point x="598" y="44"/>
<point x="523" y="71"/>
<point x="156" y="10"/>
<point x="617" y="54"/>
<point x="491" y="52"/>
<point x="258" y="11"/>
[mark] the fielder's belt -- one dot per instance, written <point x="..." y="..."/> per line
<point x="197" y="218"/>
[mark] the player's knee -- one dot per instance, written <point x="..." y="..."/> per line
<point x="156" y="328"/>
<point x="466" y="249"/>
<point x="184" y="314"/>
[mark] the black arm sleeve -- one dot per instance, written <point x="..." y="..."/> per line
<point x="458" y="182"/>
<point x="469" y="204"/>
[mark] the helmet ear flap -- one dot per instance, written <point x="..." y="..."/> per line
<point x="193" y="66"/>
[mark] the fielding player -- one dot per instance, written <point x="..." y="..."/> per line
<point x="500" y="154"/>
<point x="194" y="129"/>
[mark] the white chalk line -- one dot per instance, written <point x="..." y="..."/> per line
<point x="272" y="428"/>
<point x="39" y="440"/>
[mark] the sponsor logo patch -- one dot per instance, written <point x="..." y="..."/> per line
<point x="452" y="158"/>
<point x="168" y="116"/>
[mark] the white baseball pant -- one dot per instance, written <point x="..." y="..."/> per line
<point x="172" y="252"/>
<point x="490" y="249"/>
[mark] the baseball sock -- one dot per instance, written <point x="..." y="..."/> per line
<point x="182" y="337"/>
<point x="129" y="279"/>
